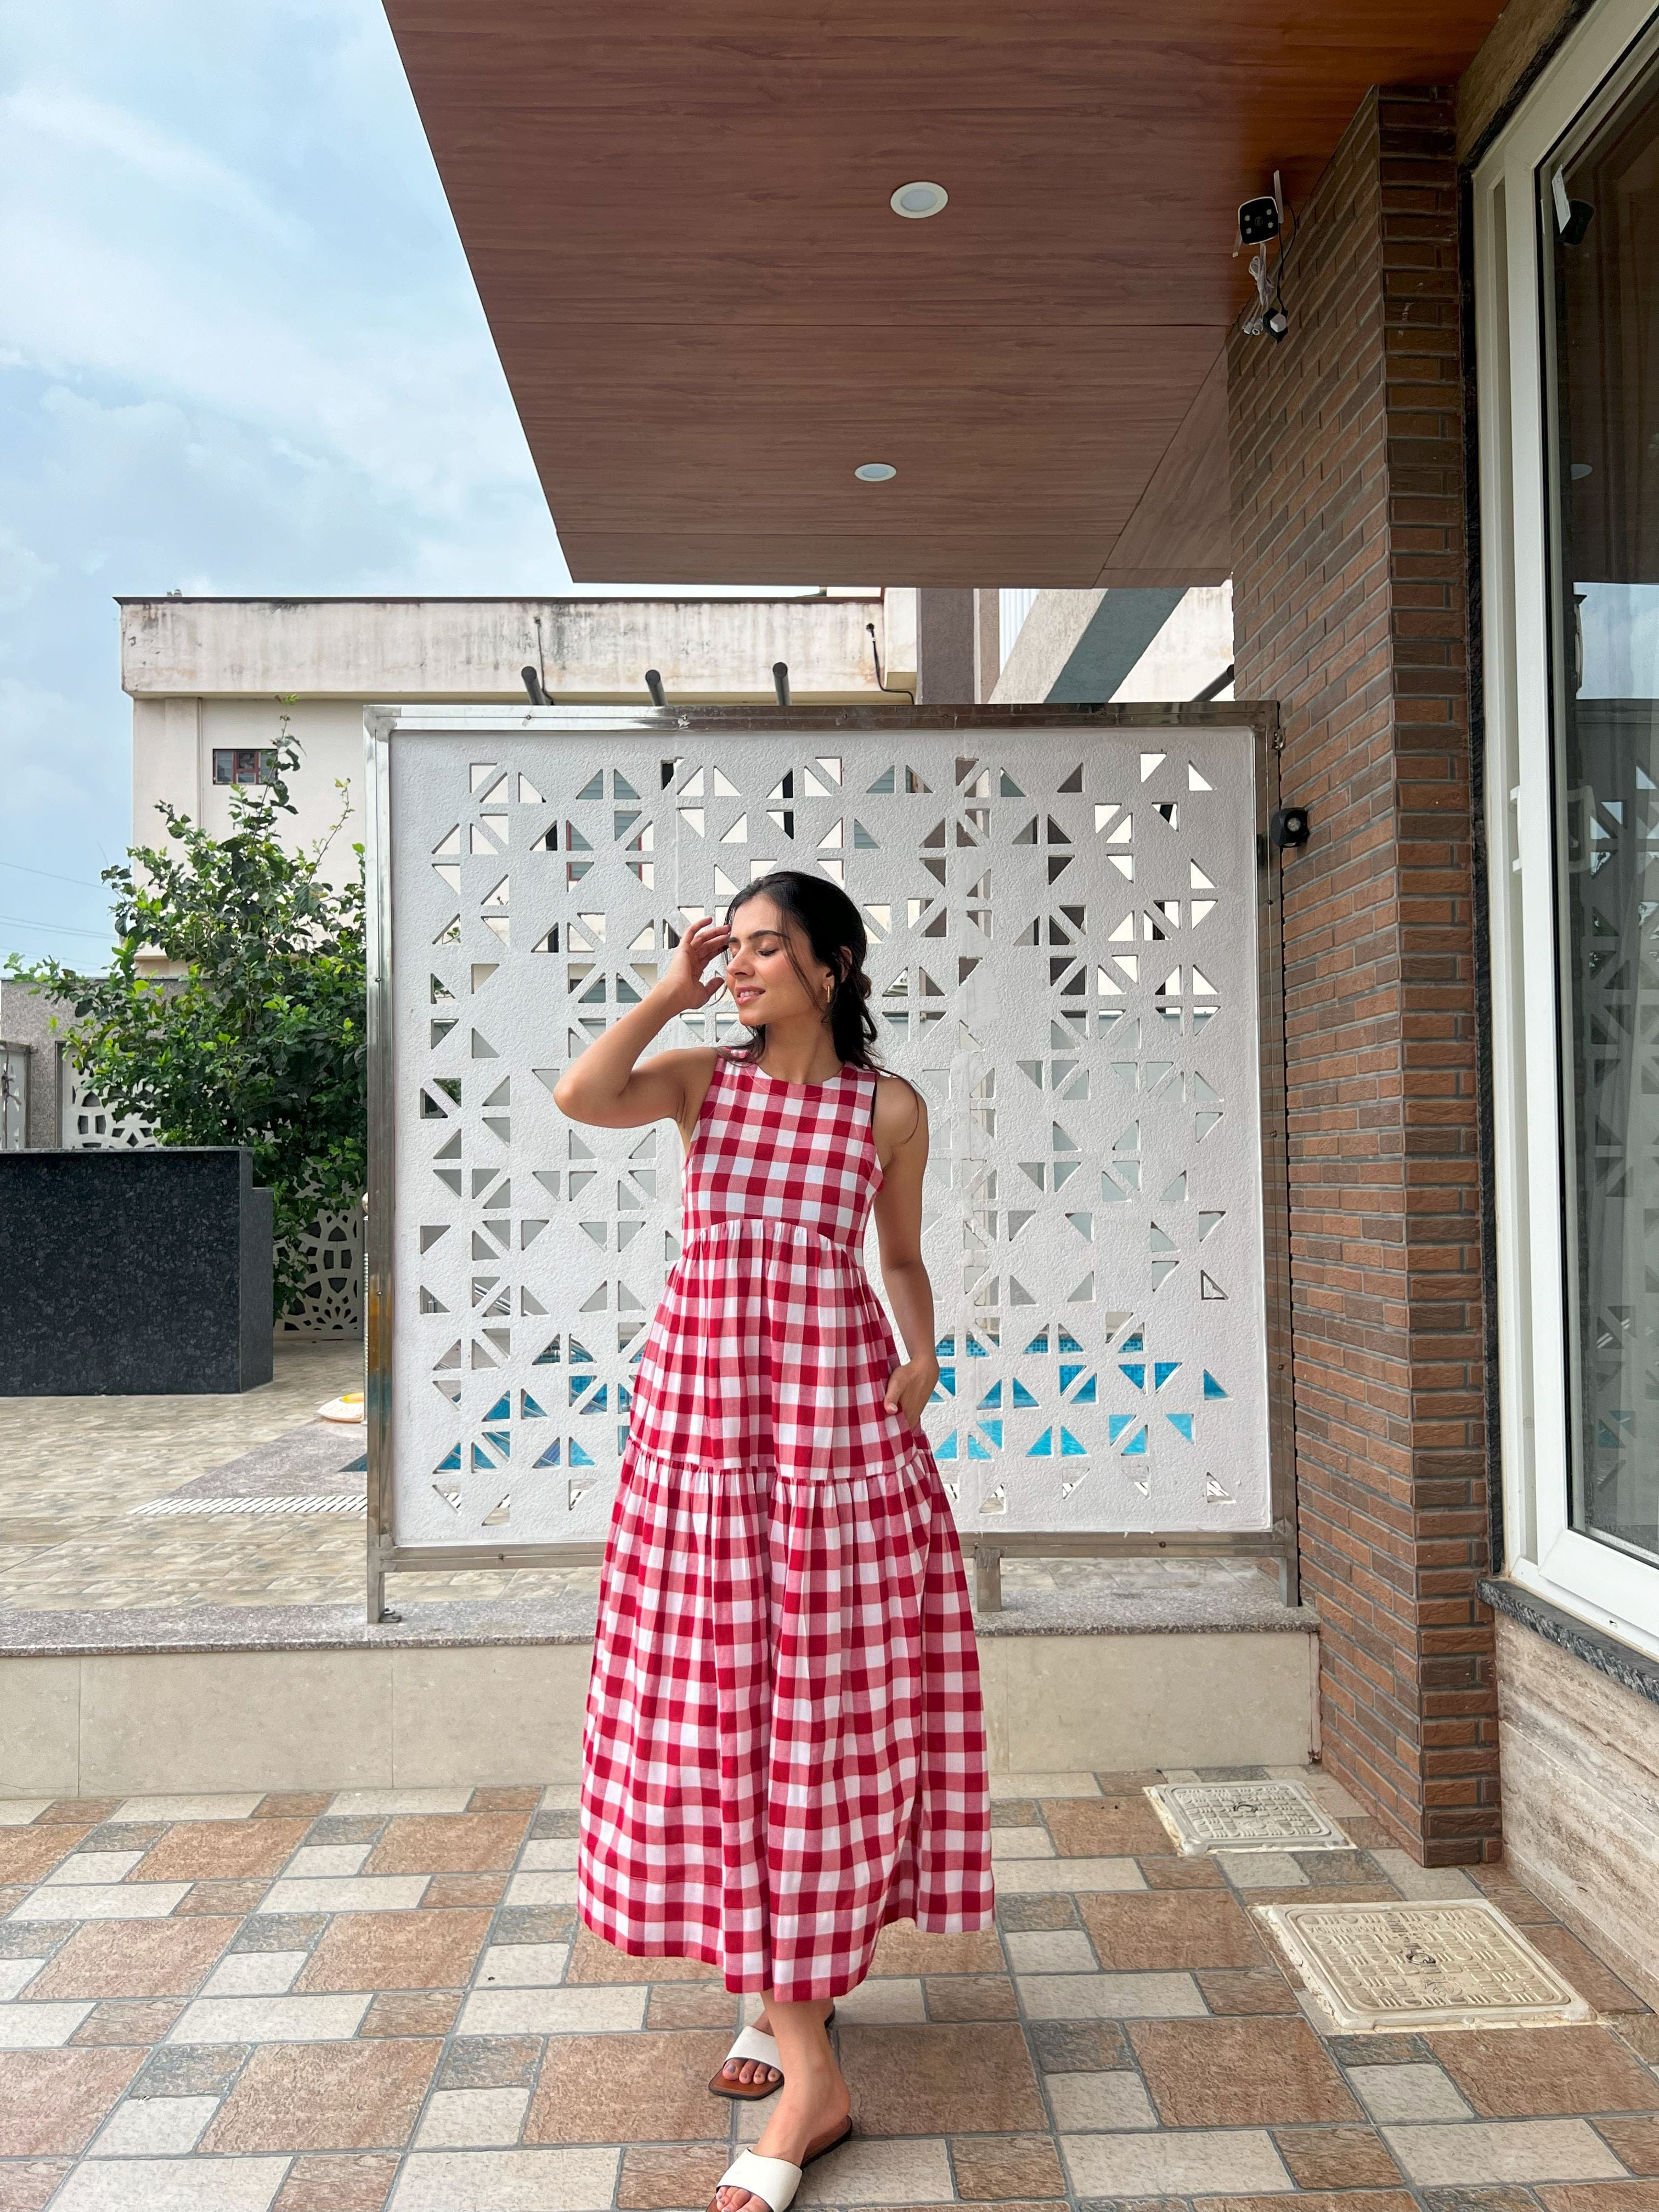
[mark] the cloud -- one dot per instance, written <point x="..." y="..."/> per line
<point x="239" y="351"/>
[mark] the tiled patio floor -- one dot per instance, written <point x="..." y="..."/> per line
<point x="77" y="1467"/>
<point x="300" y="2004"/>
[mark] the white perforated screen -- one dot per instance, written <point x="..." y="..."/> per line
<point x="1064" y="943"/>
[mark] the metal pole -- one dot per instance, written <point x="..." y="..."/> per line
<point x="780" y="681"/>
<point x="653" y="685"/>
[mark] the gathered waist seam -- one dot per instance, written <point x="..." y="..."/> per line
<point x="911" y="1461"/>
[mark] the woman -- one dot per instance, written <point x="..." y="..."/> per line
<point x="784" y="1747"/>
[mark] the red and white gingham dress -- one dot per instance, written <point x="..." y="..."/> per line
<point x="784" y="1747"/>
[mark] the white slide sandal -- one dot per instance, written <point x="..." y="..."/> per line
<point x="755" y="2043"/>
<point x="774" y="2180"/>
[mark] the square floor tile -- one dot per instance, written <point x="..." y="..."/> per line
<point x="970" y="1997"/>
<point x="554" y="2012"/>
<point x="1078" y="2046"/>
<point x="128" y="2020"/>
<point x="396" y="1951"/>
<point x="1634" y="2139"/>
<point x="1055" y="1910"/>
<point x="940" y="2079"/>
<point x="95" y="1866"/>
<point x="1171" y="1927"/>
<point x="1397" y="2093"/>
<point x="270" y="2020"/>
<point x="1021" y="1843"/>
<point x="327" y="1861"/>
<point x="1085" y="2102"/>
<point x="30" y="1854"/>
<point x="1110" y="1996"/>
<point x="412" y="2012"/>
<point x="1261" y="1869"/>
<point x="51" y="2101"/>
<point x="1503" y="2150"/>
<point x="326" y="2096"/>
<point x="1337" y="2158"/>
<point x="642" y="2087"/>
<point x="347" y="2181"/>
<point x="25" y="2026"/>
<point x="359" y="1893"/>
<point x="1060" y="1951"/>
<point x="594" y="1959"/>
<point x="1044" y="1785"/>
<point x="1239" y="2073"/>
<point x="1529" y="2072"/>
<point x="381" y="1802"/>
<point x="254" y="1974"/>
<point x="1202" y="2163"/>
<point x="994" y="2169"/>
<point x="915" y="2173"/>
<point x="884" y="1997"/>
<point x="901" y="1948"/>
<point x="690" y="2004"/>
<point x="1433" y="1884"/>
<point x="655" y="2178"/>
<point x="1265" y="1989"/>
<point x="154" y="2127"/>
<point x="1017" y="1876"/>
<point x="1111" y="1827"/>
<point x="507" y="2181"/>
<point x="548" y="1853"/>
<point x="190" y="2070"/>
<point x="491" y="2061"/>
<point x="472" y="2119"/>
<point x="172" y="2184"/>
<point x="221" y="1851"/>
<point x="465" y="1843"/>
<point x="236" y="1806"/>
<point x="27" y="2185"/>
<point x="15" y="1975"/>
<point x="149" y="1900"/>
<point x="556" y="1888"/>
<point x="523" y="1966"/>
<point x="136" y="1959"/>
<point x="18" y="1812"/>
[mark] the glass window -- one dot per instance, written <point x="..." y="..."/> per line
<point x="243" y="763"/>
<point x="1600" y="231"/>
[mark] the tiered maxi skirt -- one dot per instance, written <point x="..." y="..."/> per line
<point x="783" y="1748"/>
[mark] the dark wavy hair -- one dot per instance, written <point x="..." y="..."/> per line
<point x="833" y="927"/>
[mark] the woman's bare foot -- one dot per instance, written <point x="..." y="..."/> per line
<point x="813" y="2109"/>
<point x="755" y="2070"/>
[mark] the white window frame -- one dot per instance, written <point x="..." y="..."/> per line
<point x="1612" y="1590"/>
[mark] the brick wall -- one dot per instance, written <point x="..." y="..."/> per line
<point x="1349" y="608"/>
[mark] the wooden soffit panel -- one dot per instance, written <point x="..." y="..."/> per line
<point x="708" y="315"/>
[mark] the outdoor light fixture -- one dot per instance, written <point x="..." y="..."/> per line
<point x="917" y="201"/>
<point x="875" y="472"/>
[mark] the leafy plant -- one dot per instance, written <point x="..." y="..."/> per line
<point x="258" y="1036"/>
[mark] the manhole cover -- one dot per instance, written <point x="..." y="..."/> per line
<point x="1421" y="1965"/>
<point x="1245" y="1816"/>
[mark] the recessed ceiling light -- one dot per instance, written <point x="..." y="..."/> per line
<point x="874" y="471"/>
<point x="917" y="200"/>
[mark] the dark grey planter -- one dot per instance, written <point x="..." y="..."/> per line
<point x="142" y="1274"/>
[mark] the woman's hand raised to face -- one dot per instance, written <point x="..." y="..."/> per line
<point x="685" y="983"/>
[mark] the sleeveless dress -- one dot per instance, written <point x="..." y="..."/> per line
<point x="784" y="1744"/>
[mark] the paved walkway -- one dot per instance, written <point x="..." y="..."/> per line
<point x="80" y="1474"/>
<point x="382" y="2000"/>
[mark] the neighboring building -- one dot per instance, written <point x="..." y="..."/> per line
<point x="1434" y="482"/>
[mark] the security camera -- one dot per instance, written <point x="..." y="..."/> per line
<point x="1258" y="219"/>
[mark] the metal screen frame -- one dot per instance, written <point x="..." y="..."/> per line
<point x="1276" y="1543"/>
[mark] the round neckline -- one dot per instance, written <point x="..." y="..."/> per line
<point x="823" y="1083"/>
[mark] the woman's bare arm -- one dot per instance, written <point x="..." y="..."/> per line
<point x="901" y="1133"/>
<point x="606" y="1088"/>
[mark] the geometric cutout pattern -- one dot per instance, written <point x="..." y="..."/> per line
<point x="1063" y="958"/>
<point x="1245" y="1816"/>
<point x="1376" y="1968"/>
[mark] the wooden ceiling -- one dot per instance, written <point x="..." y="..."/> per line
<point x="676" y="215"/>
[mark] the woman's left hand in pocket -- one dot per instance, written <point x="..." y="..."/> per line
<point x="910" y="1387"/>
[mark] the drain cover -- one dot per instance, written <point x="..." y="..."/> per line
<point x="1245" y="1816"/>
<point x="1421" y="1965"/>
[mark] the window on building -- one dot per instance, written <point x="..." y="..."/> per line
<point x="1567" y="267"/>
<point x="1599" y="224"/>
<point x="244" y="764"/>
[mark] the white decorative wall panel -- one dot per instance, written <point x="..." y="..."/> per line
<point x="1064" y="948"/>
